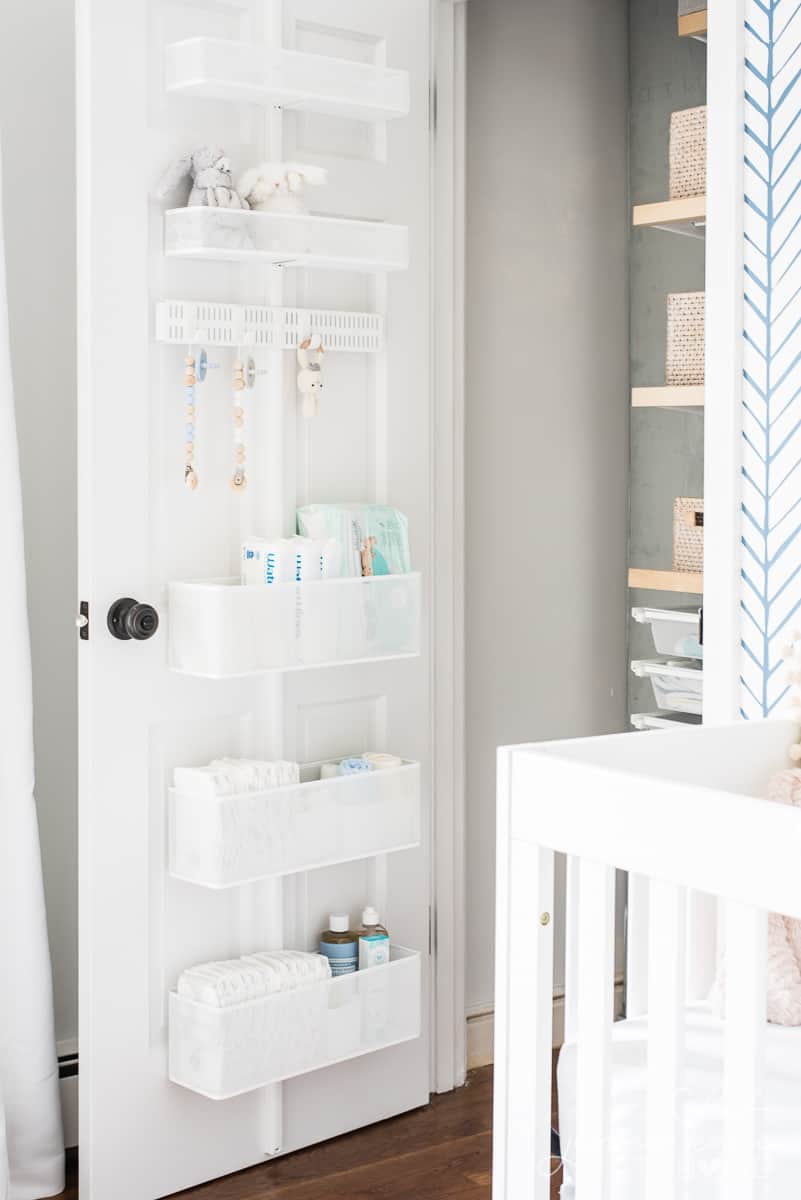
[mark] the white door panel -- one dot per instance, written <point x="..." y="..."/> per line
<point x="141" y="1135"/>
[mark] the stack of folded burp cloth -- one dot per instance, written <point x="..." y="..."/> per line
<point x="235" y="777"/>
<point x="222" y="984"/>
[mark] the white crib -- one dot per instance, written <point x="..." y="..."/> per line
<point x="671" y="1102"/>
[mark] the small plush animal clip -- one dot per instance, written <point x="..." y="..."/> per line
<point x="280" y="187"/>
<point x="310" y="375"/>
<point x="207" y="171"/>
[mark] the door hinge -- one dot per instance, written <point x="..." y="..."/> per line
<point x="432" y="106"/>
<point x="82" y="621"/>
<point x="430" y="931"/>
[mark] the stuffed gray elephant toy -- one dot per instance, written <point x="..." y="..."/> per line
<point x="209" y="172"/>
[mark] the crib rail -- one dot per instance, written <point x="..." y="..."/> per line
<point x="682" y="814"/>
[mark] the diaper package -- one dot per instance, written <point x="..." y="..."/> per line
<point x="373" y="538"/>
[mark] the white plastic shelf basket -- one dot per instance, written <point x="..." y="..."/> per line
<point x="220" y="628"/>
<point x="214" y="69"/>
<point x="223" y="1052"/>
<point x="208" y="323"/>
<point x="289" y="239"/>
<point x="225" y="841"/>
<point x="678" y="685"/>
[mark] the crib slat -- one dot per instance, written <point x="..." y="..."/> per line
<point x="571" y="948"/>
<point x="523" y="1026"/>
<point x="664" y="1173"/>
<point x="596" y="950"/>
<point x="702" y="940"/>
<point x="744" y="1046"/>
<point x="637" y="946"/>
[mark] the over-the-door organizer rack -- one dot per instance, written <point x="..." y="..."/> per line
<point x="223" y="629"/>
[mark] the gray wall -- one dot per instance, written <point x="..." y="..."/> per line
<point x="547" y="397"/>
<point x="37" y="101"/>
<point x="667" y="73"/>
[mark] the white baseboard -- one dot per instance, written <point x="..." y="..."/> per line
<point x="481" y="1029"/>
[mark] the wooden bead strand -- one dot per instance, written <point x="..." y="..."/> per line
<point x="239" y="479"/>
<point x="190" y="414"/>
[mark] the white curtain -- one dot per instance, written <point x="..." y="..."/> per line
<point x="31" y="1143"/>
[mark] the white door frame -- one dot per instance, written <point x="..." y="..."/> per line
<point x="724" y="361"/>
<point x="448" y="539"/>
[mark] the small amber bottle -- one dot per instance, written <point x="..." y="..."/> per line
<point x="340" y="945"/>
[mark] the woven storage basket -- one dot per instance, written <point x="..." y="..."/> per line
<point x="688" y="153"/>
<point x="688" y="533"/>
<point x="684" y="361"/>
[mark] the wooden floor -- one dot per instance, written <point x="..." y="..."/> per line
<point x="438" y="1152"/>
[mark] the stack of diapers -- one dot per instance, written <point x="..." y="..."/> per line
<point x="784" y="935"/>
<point x="234" y="777"/>
<point x="238" y="980"/>
<point x="373" y="539"/>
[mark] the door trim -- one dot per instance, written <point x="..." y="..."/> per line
<point x="448" y="538"/>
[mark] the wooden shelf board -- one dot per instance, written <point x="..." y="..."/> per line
<point x="667" y="397"/>
<point x="693" y="25"/>
<point x="667" y="581"/>
<point x="687" y="216"/>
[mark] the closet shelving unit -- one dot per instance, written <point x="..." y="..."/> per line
<point x="693" y="25"/>
<point x="221" y="629"/>
<point x="684" y="217"/>
<point x="668" y="397"/>
<point x="691" y="582"/>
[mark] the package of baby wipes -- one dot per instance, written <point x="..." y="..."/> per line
<point x="373" y="538"/>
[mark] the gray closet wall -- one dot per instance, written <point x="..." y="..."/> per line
<point x="547" y="398"/>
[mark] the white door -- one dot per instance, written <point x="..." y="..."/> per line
<point x="140" y="106"/>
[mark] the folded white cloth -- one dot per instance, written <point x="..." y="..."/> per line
<point x="234" y="777"/>
<point x="237" y="980"/>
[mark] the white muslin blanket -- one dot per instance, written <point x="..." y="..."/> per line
<point x="31" y="1142"/>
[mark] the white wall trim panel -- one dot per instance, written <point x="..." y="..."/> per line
<point x="770" y="590"/>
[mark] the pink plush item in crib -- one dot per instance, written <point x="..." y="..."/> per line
<point x="784" y="934"/>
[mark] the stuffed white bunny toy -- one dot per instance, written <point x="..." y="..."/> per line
<point x="280" y="187"/>
<point x="209" y="172"/>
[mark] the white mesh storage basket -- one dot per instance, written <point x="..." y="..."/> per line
<point x="227" y="841"/>
<point x="223" y="1052"/>
<point x="219" y="629"/>
<point x="688" y="153"/>
<point x="688" y="533"/>
<point x="686" y="339"/>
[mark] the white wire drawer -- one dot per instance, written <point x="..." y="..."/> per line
<point x="222" y="1052"/>
<point x="664" y="720"/>
<point x="675" y="631"/>
<point x="291" y="239"/>
<point x="215" y="69"/>
<point x="678" y="684"/>
<point x="221" y="628"/>
<point x="224" y="841"/>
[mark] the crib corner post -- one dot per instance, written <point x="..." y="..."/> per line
<point x="523" y="1003"/>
